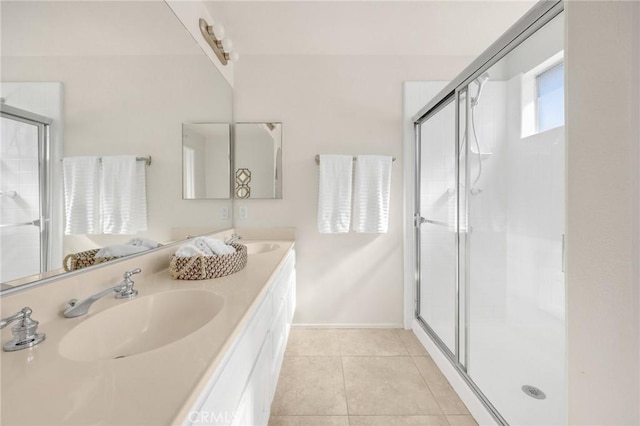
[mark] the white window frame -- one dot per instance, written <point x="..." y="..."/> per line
<point x="529" y="95"/>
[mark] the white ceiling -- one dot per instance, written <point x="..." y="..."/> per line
<point x="92" y="28"/>
<point x="365" y="27"/>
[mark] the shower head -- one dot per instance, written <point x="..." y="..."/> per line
<point x="482" y="78"/>
<point x="480" y="81"/>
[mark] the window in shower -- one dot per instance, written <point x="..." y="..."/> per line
<point x="550" y="98"/>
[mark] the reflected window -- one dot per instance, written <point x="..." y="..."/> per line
<point x="189" y="159"/>
<point x="550" y="98"/>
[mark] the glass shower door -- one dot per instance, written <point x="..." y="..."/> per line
<point x="514" y="246"/>
<point x="437" y="222"/>
<point x="23" y="206"/>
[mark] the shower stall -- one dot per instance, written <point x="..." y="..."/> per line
<point x="490" y="220"/>
<point x="24" y="193"/>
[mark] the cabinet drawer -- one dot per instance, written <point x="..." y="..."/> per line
<point x="281" y="283"/>
<point x="279" y="343"/>
<point x="221" y="402"/>
<point x="253" y="408"/>
<point x="291" y="298"/>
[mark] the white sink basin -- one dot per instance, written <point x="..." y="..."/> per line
<point x="140" y="325"/>
<point x="256" y="248"/>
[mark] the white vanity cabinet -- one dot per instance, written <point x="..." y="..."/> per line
<point x="242" y="388"/>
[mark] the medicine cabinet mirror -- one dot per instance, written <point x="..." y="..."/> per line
<point x="258" y="160"/>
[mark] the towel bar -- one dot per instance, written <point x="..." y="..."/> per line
<point x="354" y="159"/>
<point x="146" y="159"/>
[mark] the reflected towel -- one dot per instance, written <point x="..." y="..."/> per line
<point x="371" y="193"/>
<point x="123" y="195"/>
<point x="81" y="181"/>
<point x="334" y="193"/>
<point x="143" y="242"/>
<point x="118" y="250"/>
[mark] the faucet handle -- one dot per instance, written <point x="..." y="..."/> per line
<point x="24" y="333"/>
<point x="127" y="291"/>
<point x="127" y="275"/>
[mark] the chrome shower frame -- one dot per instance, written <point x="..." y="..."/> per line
<point x="43" y="124"/>
<point x="541" y="14"/>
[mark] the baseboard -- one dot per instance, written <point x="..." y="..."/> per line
<point x="473" y="403"/>
<point x="342" y="325"/>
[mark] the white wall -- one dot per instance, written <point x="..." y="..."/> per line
<point x="103" y="118"/>
<point x="335" y="105"/>
<point x="602" y="216"/>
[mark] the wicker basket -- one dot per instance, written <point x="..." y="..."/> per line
<point x="83" y="259"/>
<point x="207" y="267"/>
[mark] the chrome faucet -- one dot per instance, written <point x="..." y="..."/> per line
<point x="123" y="290"/>
<point x="234" y="237"/>
<point x="24" y="333"/>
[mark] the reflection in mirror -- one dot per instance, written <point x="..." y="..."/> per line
<point x="258" y="160"/>
<point x="109" y="89"/>
<point x="206" y="162"/>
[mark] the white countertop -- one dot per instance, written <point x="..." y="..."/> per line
<point x="40" y="386"/>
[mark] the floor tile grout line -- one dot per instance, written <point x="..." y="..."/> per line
<point x="344" y="386"/>
<point x="426" y="383"/>
<point x="437" y="398"/>
<point x="344" y="380"/>
<point x="397" y="333"/>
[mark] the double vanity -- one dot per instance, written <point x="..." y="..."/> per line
<point x="179" y="352"/>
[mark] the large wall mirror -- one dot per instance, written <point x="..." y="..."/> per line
<point x="102" y="79"/>
<point x="258" y="160"/>
<point x="206" y="160"/>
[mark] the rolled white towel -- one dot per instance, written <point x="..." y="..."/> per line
<point x="118" y="250"/>
<point x="143" y="242"/>
<point x="219" y="247"/>
<point x="189" y="250"/>
<point x="202" y="245"/>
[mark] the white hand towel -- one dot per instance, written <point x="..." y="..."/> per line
<point x="81" y="195"/>
<point x="123" y="195"/>
<point x="189" y="250"/>
<point x="371" y="193"/>
<point x="118" y="250"/>
<point x="201" y="244"/>
<point x="334" y="194"/>
<point x="219" y="247"/>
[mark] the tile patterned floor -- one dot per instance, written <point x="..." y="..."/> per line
<point x="372" y="377"/>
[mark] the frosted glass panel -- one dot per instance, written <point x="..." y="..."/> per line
<point x="19" y="199"/>
<point x="438" y="232"/>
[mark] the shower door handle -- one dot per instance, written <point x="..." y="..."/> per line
<point x="11" y="225"/>
<point x="419" y="220"/>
